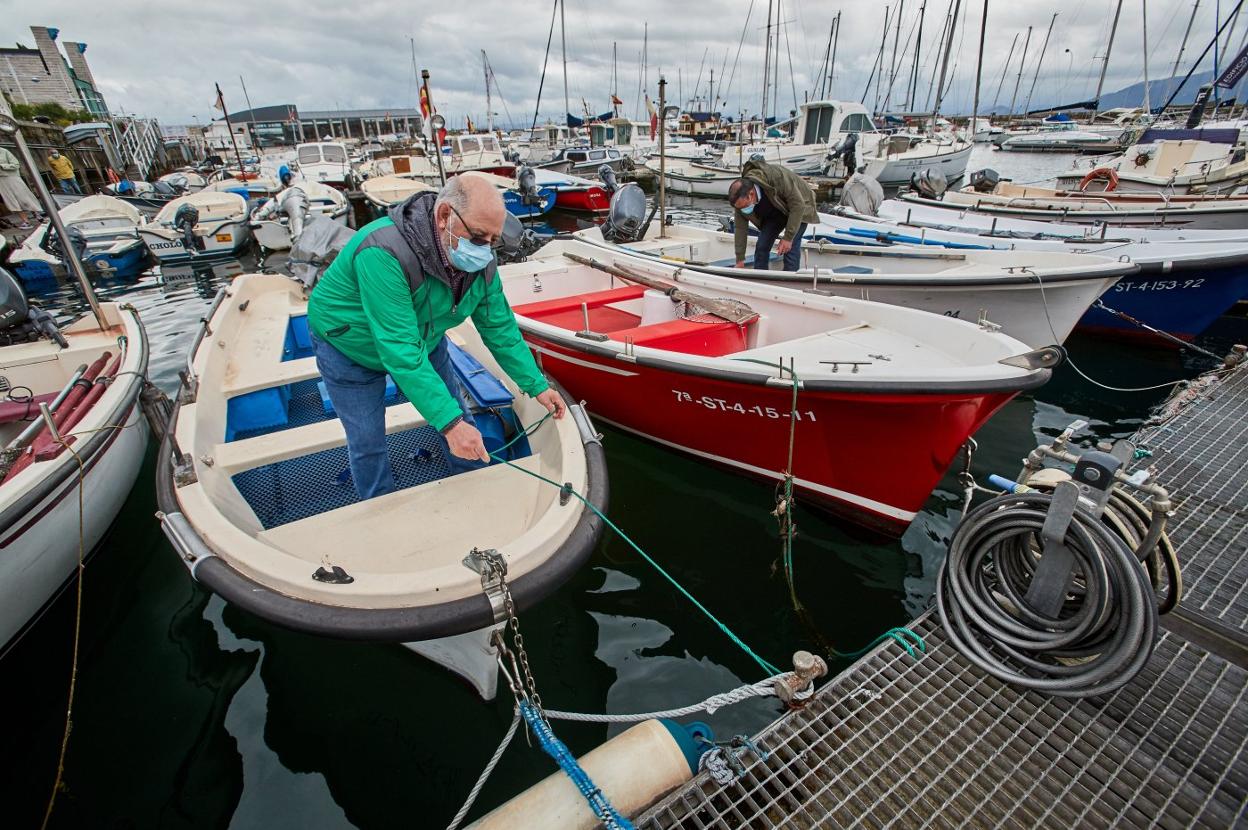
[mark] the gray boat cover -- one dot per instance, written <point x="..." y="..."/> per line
<point x="862" y="194"/>
<point x="312" y="253"/>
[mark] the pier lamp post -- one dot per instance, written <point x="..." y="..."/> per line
<point x="9" y="127"/>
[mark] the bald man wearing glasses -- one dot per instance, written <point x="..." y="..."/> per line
<point x="384" y="305"/>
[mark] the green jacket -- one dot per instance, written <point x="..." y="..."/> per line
<point x="369" y="309"/>
<point x="786" y="190"/>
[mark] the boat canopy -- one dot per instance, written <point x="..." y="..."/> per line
<point x="1213" y="135"/>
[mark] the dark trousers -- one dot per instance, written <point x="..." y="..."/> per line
<point x="358" y="395"/>
<point x="766" y="239"/>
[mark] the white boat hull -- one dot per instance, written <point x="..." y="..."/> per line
<point x="897" y="170"/>
<point x="220" y="239"/>
<point x="38" y="558"/>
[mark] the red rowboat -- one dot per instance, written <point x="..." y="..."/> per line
<point x="589" y="198"/>
<point x="886" y="395"/>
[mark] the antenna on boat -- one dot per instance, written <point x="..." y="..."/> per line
<point x="662" y="157"/>
<point x="8" y="125"/>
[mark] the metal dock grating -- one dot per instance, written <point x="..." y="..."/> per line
<point x="934" y="742"/>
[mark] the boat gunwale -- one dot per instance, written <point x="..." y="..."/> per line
<point x="67" y="464"/>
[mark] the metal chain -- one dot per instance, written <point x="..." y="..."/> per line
<point x="513" y="621"/>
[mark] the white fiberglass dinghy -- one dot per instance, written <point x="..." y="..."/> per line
<point x="90" y="378"/>
<point x="255" y="493"/>
<point x="199" y="224"/>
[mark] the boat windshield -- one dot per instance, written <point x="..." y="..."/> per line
<point x="334" y="153"/>
<point x="309" y="154"/>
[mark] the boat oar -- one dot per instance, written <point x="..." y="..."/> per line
<point x="734" y="311"/>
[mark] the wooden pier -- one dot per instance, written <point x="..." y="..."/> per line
<point x="935" y="742"/>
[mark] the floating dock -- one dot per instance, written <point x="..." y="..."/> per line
<point x="935" y="742"/>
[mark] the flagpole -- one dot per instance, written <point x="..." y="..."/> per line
<point x="225" y="113"/>
<point x="433" y="130"/>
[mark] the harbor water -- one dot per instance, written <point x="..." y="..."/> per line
<point x="191" y="713"/>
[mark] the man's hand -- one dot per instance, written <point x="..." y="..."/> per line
<point x="465" y="442"/>
<point x="783" y="247"/>
<point x="553" y="402"/>
<point x="740" y="263"/>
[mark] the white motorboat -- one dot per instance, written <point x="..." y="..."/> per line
<point x="1116" y="209"/>
<point x="207" y="223"/>
<point x="895" y="160"/>
<point x="1002" y="288"/>
<point x="1157" y="164"/>
<point x="184" y="181"/>
<point x="278" y="223"/>
<point x="383" y="191"/>
<point x="324" y="161"/>
<point x="1187" y="278"/>
<point x="109" y="227"/>
<point x="254" y="493"/>
<point x="820" y="126"/>
<point x="91" y="381"/>
<point x="693" y="178"/>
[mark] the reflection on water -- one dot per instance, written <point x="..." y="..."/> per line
<point x="192" y="713"/>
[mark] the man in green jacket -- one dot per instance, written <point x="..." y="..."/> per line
<point x="384" y="305"/>
<point x="777" y="201"/>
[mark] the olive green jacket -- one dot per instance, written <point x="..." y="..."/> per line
<point x="786" y="190"/>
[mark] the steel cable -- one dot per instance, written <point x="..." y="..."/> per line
<point x="1098" y="641"/>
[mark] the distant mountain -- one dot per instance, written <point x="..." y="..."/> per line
<point x="1158" y="92"/>
<point x="1133" y="96"/>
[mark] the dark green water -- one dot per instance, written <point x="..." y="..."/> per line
<point x="190" y="713"/>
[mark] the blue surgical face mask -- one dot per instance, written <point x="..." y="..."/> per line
<point x="469" y="257"/>
<point x="747" y="210"/>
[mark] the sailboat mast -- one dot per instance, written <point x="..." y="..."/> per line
<point x="892" y="64"/>
<point x="762" y="113"/>
<point x="979" y="68"/>
<point x="940" y="47"/>
<point x="1039" y="63"/>
<point x="615" y="81"/>
<point x="775" y="69"/>
<point x="836" y="41"/>
<point x="913" y="90"/>
<point x="1021" y="63"/>
<point x="1182" y="47"/>
<point x="1100" y="84"/>
<point x="944" y="64"/>
<point x="1144" y="19"/>
<point x="875" y="102"/>
<point x="563" y="41"/>
<point x="489" y="107"/>
<point x="1005" y="71"/>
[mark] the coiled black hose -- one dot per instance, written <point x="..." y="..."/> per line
<point x="1099" y="640"/>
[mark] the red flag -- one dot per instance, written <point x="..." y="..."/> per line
<point x="424" y="104"/>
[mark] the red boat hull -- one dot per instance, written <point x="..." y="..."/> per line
<point x="872" y="457"/>
<point x="589" y="199"/>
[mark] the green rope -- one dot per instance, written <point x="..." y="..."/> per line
<point x="901" y="635"/>
<point x="763" y="664"/>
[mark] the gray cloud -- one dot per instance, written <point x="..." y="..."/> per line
<point x="162" y="60"/>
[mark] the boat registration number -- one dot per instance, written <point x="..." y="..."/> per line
<point x="1158" y="285"/>
<point x="224" y="237"/>
<point x="721" y="405"/>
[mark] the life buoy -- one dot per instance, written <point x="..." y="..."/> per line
<point x="1108" y="174"/>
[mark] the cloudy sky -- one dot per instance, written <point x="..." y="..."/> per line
<point x="161" y="59"/>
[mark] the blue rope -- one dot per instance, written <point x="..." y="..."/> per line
<point x="556" y="749"/>
<point x="763" y="664"/>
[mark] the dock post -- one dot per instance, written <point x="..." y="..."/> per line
<point x="662" y="158"/>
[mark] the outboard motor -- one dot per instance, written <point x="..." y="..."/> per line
<point x="512" y="155"/>
<point x="125" y="187"/>
<point x="19" y="321"/>
<point x="51" y="243"/>
<point x="518" y="241"/>
<point x="607" y="175"/>
<point x="847" y="150"/>
<point x="295" y="206"/>
<point x="757" y="157"/>
<point x="626" y="215"/>
<point x="185" y="221"/>
<point x="930" y="184"/>
<point x="179" y="182"/>
<point x="985" y="181"/>
<point x="526" y="185"/>
<point x="164" y="190"/>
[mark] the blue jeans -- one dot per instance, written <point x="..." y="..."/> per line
<point x="766" y="238"/>
<point x="70" y="186"/>
<point x="358" y="395"/>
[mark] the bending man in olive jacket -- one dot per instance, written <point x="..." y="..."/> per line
<point x="777" y="201"/>
<point x="384" y="305"/>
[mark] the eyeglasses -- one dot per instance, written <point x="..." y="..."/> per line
<point x="475" y="237"/>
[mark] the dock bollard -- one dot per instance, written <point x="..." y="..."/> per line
<point x="792" y="689"/>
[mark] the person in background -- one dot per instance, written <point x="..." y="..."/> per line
<point x="385" y="305"/>
<point x="776" y="201"/>
<point x="63" y="172"/>
<point x="13" y="190"/>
